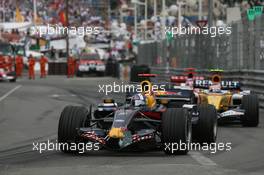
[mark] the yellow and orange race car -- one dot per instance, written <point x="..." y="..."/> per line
<point x="231" y="102"/>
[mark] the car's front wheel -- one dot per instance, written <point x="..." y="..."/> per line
<point x="205" y="131"/>
<point x="72" y="117"/>
<point x="176" y="131"/>
<point x="250" y="104"/>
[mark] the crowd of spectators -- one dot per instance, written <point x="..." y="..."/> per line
<point x="81" y="13"/>
<point x="48" y="11"/>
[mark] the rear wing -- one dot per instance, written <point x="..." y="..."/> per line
<point x="188" y="74"/>
<point x="147" y="75"/>
<point x="144" y="76"/>
<point x="183" y="79"/>
<point x="225" y="84"/>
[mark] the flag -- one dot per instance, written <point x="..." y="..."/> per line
<point x="19" y="17"/>
<point x="62" y="17"/>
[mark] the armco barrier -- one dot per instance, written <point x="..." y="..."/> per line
<point x="250" y="79"/>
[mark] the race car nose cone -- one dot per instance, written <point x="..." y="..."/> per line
<point x="116" y="133"/>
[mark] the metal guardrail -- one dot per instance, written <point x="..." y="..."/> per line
<point x="250" y="79"/>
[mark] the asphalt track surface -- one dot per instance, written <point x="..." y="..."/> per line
<point x="29" y="112"/>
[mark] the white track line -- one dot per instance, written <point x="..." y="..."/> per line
<point x="202" y="159"/>
<point x="10" y="92"/>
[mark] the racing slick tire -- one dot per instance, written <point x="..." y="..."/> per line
<point x="72" y="117"/>
<point x="250" y="104"/>
<point x="205" y="131"/>
<point x="176" y="131"/>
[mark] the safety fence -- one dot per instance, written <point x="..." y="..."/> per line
<point x="252" y="80"/>
<point x="242" y="49"/>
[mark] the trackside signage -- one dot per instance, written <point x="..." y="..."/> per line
<point x="224" y="84"/>
<point x="254" y="12"/>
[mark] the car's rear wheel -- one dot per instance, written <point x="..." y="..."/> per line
<point x="176" y="131"/>
<point x="72" y="117"/>
<point x="205" y="131"/>
<point x="250" y="104"/>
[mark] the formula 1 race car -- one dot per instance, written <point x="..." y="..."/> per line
<point x="143" y="122"/>
<point x="90" y="63"/>
<point x="230" y="101"/>
<point x="7" y="76"/>
<point x="7" y="71"/>
<point x="187" y="78"/>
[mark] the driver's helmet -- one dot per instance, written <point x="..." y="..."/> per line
<point x="189" y="80"/>
<point x="138" y="100"/>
